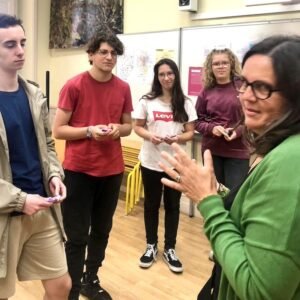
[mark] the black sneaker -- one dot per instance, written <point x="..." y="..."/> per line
<point x="149" y="256"/>
<point x="172" y="261"/>
<point x="90" y="288"/>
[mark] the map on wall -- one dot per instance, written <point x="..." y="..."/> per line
<point x="73" y="23"/>
<point x="137" y="65"/>
<point x="142" y="51"/>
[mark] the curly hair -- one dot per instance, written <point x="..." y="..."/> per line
<point x="178" y="98"/>
<point x="209" y="79"/>
<point x="284" y="52"/>
<point x="104" y="37"/>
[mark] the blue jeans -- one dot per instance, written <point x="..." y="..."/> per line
<point x="230" y="171"/>
<point x="88" y="216"/>
<point x="154" y="189"/>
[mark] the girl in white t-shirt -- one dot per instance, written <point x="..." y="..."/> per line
<point x="163" y="116"/>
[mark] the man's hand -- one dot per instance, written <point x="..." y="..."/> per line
<point x="35" y="203"/>
<point x="57" y="188"/>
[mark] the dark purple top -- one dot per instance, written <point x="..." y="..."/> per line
<point x="220" y="106"/>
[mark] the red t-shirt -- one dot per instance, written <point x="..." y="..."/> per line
<point x="92" y="103"/>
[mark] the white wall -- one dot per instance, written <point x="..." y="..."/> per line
<point x="27" y="11"/>
<point x="139" y="16"/>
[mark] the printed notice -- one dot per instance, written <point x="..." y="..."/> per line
<point x="195" y="81"/>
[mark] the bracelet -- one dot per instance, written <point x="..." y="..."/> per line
<point x="89" y="133"/>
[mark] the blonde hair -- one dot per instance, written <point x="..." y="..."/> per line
<point x="209" y="79"/>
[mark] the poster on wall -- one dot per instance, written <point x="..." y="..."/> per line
<point x="195" y="81"/>
<point x="73" y="23"/>
<point x="142" y="51"/>
<point x="136" y="65"/>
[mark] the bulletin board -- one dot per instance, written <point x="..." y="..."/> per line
<point x="142" y="51"/>
<point x="197" y="42"/>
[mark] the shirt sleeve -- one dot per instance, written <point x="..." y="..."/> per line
<point x="128" y="101"/>
<point x="203" y="124"/>
<point x="190" y="110"/>
<point x="257" y="243"/>
<point x="140" y="111"/>
<point x="68" y="96"/>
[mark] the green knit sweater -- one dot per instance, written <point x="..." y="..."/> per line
<point x="257" y="243"/>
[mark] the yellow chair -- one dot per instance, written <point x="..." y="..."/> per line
<point x="134" y="188"/>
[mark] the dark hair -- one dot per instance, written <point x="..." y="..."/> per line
<point x="178" y="98"/>
<point x="105" y="37"/>
<point x="209" y="78"/>
<point x="9" y="21"/>
<point x="284" y="52"/>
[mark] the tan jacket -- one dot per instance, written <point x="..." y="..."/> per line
<point x="11" y="197"/>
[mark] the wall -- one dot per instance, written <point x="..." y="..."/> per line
<point x="27" y="11"/>
<point x="139" y="16"/>
<point x="142" y="15"/>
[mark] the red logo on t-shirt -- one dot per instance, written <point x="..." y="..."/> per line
<point x="163" y="116"/>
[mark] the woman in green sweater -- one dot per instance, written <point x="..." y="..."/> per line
<point x="256" y="241"/>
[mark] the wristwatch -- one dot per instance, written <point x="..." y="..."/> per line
<point x="89" y="133"/>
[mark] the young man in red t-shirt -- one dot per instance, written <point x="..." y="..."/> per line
<point x="94" y="111"/>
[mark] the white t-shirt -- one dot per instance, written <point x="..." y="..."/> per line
<point x="159" y="120"/>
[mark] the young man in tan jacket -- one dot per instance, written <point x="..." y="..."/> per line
<point x="31" y="234"/>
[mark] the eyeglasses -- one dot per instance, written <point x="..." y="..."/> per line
<point x="105" y="53"/>
<point x="261" y="90"/>
<point x="221" y="63"/>
<point x="168" y="74"/>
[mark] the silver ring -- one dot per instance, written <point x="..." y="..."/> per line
<point x="178" y="178"/>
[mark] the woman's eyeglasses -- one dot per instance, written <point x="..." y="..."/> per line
<point x="260" y="89"/>
<point x="221" y="64"/>
<point x="168" y="74"/>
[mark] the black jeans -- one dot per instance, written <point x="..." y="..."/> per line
<point x="88" y="216"/>
<point x="230" y="171"/>
<point x="154" y="189"/>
